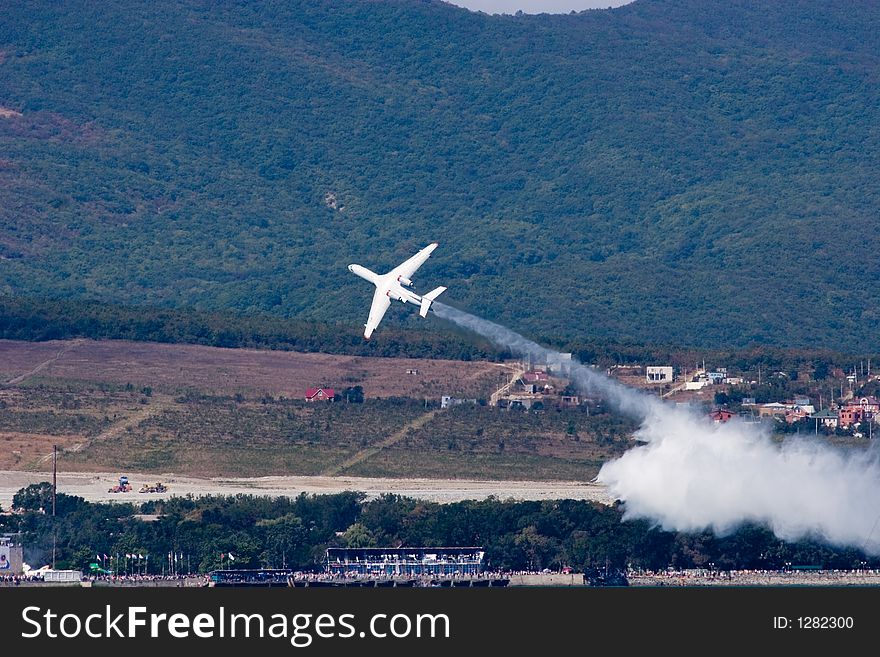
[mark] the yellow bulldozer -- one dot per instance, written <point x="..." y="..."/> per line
<point x="158" y="487"/>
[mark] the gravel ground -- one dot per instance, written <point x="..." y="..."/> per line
<point x="94" y="486"/>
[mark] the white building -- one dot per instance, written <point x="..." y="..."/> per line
<point x="446" y="401"/>
<point x="658" y="374"/>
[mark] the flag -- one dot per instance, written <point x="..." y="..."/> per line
<point x="127" y="555"/>
<point x="106" y="557"/>
<point x="231" y="558"/>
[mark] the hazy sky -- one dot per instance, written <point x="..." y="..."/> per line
<point x="536" y="6"/>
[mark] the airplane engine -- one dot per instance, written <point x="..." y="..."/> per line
<point x="403" y="280"/>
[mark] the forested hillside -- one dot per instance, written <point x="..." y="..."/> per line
<point x="700" y="172"/>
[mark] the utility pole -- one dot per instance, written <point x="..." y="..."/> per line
<point x="54" y="476"/>
<point x="54" y="490"/>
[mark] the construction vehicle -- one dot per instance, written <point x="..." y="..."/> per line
<point x="158" y="487"/>
<point x="122" y="487"/>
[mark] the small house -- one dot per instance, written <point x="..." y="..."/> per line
<point x="320" y="394"/>
<point x="826" y="418"/>
<point x="658" y="374"/>
<point x="534" y="376"/>
<point x="849" y="415"/>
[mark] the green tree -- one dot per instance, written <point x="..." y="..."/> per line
<point x="35" y="497"/>
<point x="354" y="394"/>
<point x="539" y="549"/>
<point x="286" y="542"/>
<point x="358" y="536"/>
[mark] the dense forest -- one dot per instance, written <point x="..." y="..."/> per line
<point x="267" y="532"/>
<point x="694" y="172"/>
<point x="43" y="319"/>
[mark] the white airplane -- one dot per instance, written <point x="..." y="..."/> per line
<point x="393" y="285"/>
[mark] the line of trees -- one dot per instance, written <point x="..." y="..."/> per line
<point x="276" y="532"/>
<point x="53" y="319"/>
<point x="40" y="319"/>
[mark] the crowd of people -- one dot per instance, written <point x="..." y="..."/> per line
<point x="15" y="580"/>
<point x="669" y="577"/>
<point x="782" y="577"/>
<point x="36" y="578"/>
<point x="143" y="579"/>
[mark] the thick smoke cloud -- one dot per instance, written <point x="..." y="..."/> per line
<point x="689" y="474"/>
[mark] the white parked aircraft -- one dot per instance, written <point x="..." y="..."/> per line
<point x="393" y="285"/>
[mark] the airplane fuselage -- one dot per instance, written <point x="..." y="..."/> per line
<point x="395" y="286"/>
<point x="388" y="284"/>
<point x="397" y="291"/>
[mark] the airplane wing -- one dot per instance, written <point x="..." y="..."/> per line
<point x="408" y="268"/>
<point x="381" y="301"/>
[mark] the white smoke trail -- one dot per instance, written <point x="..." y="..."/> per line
<point x="585" y="378"/>
<point x="690" y="474"/>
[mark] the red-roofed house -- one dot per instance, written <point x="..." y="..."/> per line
<point x="320" y="394"/>
<point x="534" y="376"/>
<point x="796" y="415"/>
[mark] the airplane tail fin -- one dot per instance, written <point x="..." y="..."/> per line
<point x="428" y="299"/>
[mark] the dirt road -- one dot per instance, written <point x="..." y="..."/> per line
<point x="67" y="346"/>
<point x="370" y="452"/>
<point x="93" y="486"/>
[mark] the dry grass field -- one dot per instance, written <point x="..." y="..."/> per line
<point x="513" y="444"/>
<point x="175" y="367"/>
<point x="209" y="412"/>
